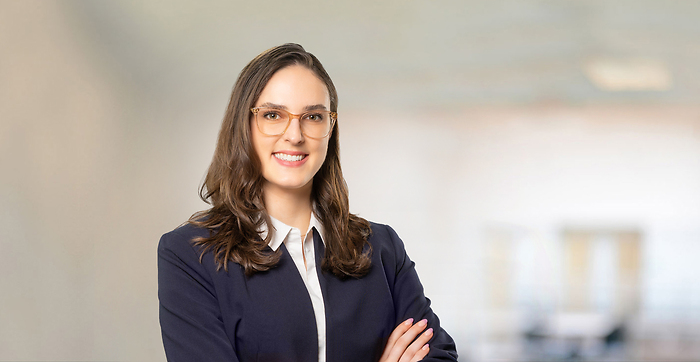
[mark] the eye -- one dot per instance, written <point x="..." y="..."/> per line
<point x="314" y="117"/>
<point x="271" y="115"/>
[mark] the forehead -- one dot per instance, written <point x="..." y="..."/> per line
<point x="295" y="87"/>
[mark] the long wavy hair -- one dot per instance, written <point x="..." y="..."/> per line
<point x="233" y="185"/>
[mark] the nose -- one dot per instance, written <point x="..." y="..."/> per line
<point x="293" y="133"/>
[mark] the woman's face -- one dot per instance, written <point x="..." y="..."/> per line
<point x="290" y="161"/>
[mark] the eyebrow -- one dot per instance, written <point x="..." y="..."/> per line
<point x="279" y="106"/>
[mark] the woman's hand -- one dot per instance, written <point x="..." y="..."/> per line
<point x="401" y="346"/>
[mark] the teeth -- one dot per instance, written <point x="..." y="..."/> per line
<point x="286" y="157"/>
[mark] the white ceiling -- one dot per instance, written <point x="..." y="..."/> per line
<point x="407" y="54"/>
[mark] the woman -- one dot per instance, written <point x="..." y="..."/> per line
<point x="278" y="269"/>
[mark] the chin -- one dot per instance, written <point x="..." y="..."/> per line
<point x="292" y="184"/>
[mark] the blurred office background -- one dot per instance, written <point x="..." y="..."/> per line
<point x="540" y="159"/>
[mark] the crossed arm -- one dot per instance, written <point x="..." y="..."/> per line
<point x="403" y="346"/>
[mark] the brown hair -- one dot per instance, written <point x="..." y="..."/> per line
<point x="233" y="184"/>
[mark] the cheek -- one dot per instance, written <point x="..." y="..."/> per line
<point x="258" y="142"/>
<point x="323" y="151"/>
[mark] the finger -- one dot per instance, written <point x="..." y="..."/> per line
<point x="400" y="330"/>
<point x="416" y="348"/>
<point x="421" y="353"/>
<point x="395" y="335"/>
<point x="405" y="340"/>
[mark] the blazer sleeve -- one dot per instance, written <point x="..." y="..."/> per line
<point x="410" y="302"/>
<point x="190" y="315"/>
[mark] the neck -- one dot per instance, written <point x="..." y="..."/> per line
<point x="292" y="207"/>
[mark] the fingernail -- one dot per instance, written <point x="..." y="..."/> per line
<point x="429" y="331"/>
<point x="423" y="322"/>
<point x="408" y="321"/>
<point x="425" y="347"/>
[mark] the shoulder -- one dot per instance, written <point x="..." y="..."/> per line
<point x="386" y="243"/>
<point x="181" y="240"/>
<point x="384" y="236"/>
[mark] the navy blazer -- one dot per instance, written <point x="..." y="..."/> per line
<point x="210" y="315"/>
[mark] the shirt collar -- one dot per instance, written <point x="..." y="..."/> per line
<point x="280" y="231"/>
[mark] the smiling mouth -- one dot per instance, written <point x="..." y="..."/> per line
<point x="289" y="158"/>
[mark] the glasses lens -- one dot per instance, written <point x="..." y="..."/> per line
<point x="272" y="121"/>
<point x="316" y="124"/>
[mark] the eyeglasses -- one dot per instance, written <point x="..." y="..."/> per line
<point x="274" y="122"/>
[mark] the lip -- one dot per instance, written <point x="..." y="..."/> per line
<point x="291" y="163"/>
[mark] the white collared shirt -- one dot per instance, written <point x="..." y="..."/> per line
<point x="298" y="250"/>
